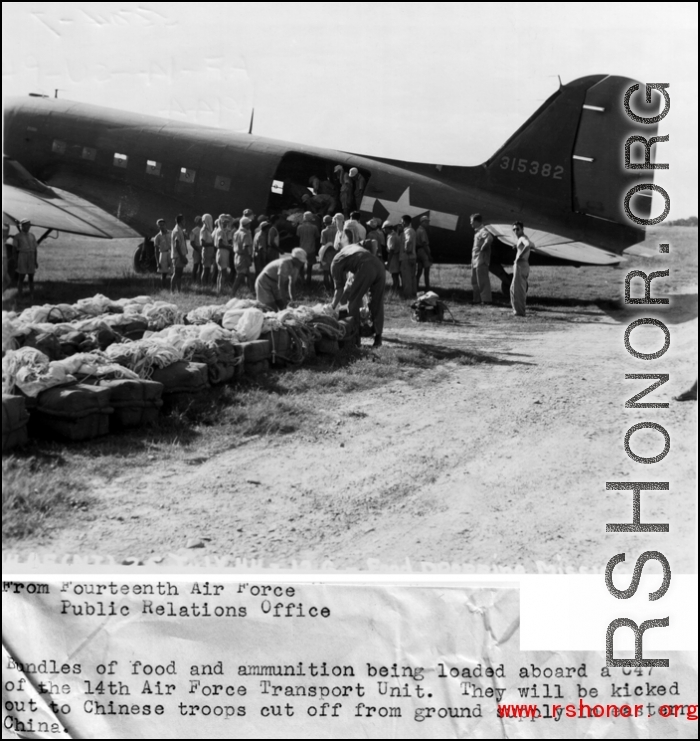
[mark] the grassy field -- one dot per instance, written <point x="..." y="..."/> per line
<point x="47" y="482"/>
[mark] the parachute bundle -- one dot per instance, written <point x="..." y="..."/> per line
<point x="144" y="356"/>
<point x="30" y="371"/>
<point x="135" y="347"/>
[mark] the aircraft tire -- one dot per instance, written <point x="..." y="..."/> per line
<point x="140" y="264"/>
<point x="505" y="285"/>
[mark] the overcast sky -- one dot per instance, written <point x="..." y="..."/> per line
<point x="432" y="82"/>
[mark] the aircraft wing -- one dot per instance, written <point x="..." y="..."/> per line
<point x="25" y="197"/>
<point x="553" y="245"/>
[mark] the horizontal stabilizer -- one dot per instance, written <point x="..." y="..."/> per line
<point x="552" y="245"/>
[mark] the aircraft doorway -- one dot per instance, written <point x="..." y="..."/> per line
<point x="303" y="182"/>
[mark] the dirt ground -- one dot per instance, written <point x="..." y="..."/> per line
<point x="490" y="466"/>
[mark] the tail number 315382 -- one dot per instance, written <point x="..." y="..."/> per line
<point x="532" y="167"/>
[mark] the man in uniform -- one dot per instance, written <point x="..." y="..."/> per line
<point x="309" y="237"/>
<point x="376" y="235"/>
<point x="261" y="252"/>
<point x="346" y="185"/>
<point x="481" y="258"/>
<point x="354" y="225"/>
<point x="243" y="256"/>
<point x="521" y="270"/>
<point x="223" y="237"/>
<point x="178" y="253"/>
<point x="408" y="258"/>
<point x="26" y="249"/>
<point x="358" y="184"/>
<point x="206" y="240"/>
<point x="196" y="245"/>
<point x="278" y="278"/>
<point x="162" y="245"/>
<point x="369" y="275"/>
<point x="423" y="256"/>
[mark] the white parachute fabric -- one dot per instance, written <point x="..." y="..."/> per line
<point x="30" y="371"/>
<point x="250" y="324"/>
<point x="143" y="356"/>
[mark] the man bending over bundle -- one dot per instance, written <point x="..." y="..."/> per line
<point x="369" y="275"/>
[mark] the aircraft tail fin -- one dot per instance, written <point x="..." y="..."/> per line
<point x="570" y="154"/>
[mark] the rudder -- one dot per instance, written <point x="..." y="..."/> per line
<point x="569" y="155"/>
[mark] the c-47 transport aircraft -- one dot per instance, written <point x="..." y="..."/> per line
<point x="91" y="170"/>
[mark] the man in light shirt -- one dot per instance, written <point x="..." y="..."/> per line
<point x="178" y="254"/>
<point x="521" y="270"/>
<point x="358" y="229"/>
<point x="481" y="259"/>
<point x="408" y="258"/>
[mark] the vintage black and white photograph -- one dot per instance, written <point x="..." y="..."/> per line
<point x="342" y="286"/>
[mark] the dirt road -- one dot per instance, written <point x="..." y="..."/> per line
<point x="502" y="464"/>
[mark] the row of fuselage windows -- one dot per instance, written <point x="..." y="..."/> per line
<point x="153" y="167"/>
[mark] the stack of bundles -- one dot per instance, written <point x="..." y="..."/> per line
<point x="144" y="356"/>
<point x="157" y="359"/>
<point x="183" y="383"/>
<point x="136" y="402"/>
<point x="309" y="329"/>
<point x="14" y="422"/>
<point x="77" y="412"/>
<point x="211" y="344"/>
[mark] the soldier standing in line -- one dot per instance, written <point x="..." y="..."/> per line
<point x="178" y="253"/>
<point x="196" y="245"/>
<point x="393" y="251"/>
<point x="224" y="248"/>
<point x="243" y="256"/>
<point x="260" y="247"/>
<point x="162" y="246"/>
<point x="423" y="256"/>
<point x="26" y="249"/>
<point x="206" y="238"/>
<point x="309" y="237"/>
<point x="408" y="264"/>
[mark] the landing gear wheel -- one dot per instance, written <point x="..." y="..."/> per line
<point x="144" y="258"/>
<point x="505" y="286"/>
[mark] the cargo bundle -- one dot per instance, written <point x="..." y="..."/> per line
<point x="78" y="371"/>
